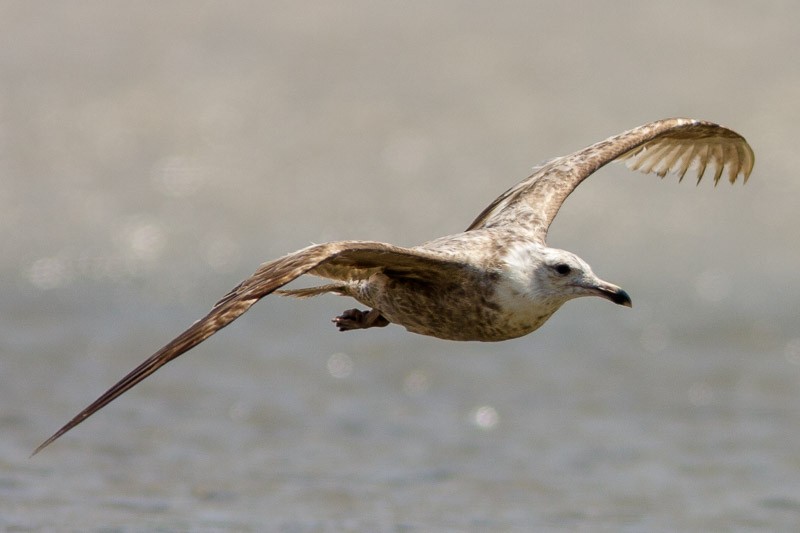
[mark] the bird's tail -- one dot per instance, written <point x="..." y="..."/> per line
<point x="336" y="288"/>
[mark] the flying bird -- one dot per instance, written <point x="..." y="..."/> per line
<point x="496" y="280"/>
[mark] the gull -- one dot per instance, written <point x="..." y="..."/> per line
<point x="496" y="280"/>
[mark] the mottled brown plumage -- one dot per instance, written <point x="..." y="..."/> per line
<point x="495" y="281"/>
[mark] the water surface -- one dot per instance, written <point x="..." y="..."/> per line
<point x="151" y="157"/>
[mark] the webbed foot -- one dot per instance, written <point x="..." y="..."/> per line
<point x="356" y="319"/>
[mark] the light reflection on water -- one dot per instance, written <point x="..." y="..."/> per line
<point x="148" y="163"/>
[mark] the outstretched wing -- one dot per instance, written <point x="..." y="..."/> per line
<point x="337" y="260"/>
<point x="666" y="146"/>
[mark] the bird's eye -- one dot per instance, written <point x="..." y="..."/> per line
<point x="563" y="269"/>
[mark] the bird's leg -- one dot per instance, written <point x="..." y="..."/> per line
<point x="355" y="319"/>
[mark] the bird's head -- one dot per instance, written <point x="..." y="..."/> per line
<point x="550" y="277"/>
<point x="562" y="275"/>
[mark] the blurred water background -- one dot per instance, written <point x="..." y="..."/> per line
<point x="153" y="154"/>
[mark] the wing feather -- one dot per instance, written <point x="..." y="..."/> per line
<point x="668" y="160"/>
<point x="328" y="260"/>
<point x="669" y="146"/>
<point x="689" y="155"/>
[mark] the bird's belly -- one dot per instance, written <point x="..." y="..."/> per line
<point x="464" y="311"/>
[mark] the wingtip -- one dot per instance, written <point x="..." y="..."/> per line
<point x="39" y="448"/>
<point x="49" y="441"/>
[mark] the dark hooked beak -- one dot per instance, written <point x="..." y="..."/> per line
<point x="613" y="293"/>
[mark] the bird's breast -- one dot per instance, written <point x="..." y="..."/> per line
<point x="476" y="306"/>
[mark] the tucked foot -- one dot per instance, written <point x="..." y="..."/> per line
<point x="355" y="319"/>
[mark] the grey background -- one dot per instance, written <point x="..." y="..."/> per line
<point x="153" y="154"/>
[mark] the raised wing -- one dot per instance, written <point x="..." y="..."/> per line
<point x="337" y="260"/>
<point x="672" y="145"/>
